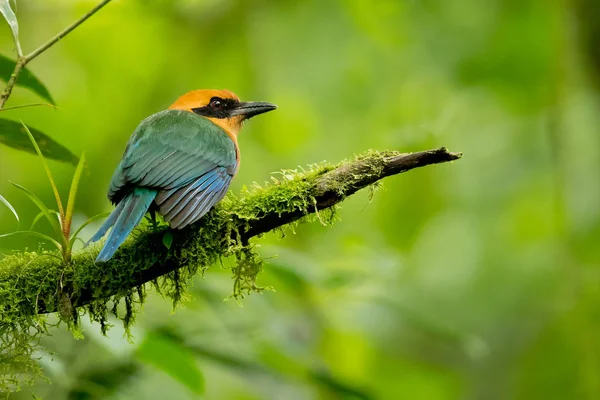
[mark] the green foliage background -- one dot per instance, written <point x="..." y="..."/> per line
<point x="476" y="280"/>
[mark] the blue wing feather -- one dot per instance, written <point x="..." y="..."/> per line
<point x="204" y="203"/>
<point x="170" y="202"/>
<point x="186" y="205"/>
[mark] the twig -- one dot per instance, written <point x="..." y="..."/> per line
<point x="65" y="32"/>
<point x="12" y="81"/>
<point x="22" y="60"/>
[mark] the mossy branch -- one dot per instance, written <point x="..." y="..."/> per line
<point x="34" y="284"/>
<point x="38" y="283"/>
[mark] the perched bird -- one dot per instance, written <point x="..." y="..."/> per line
<point x="178" y="162"/>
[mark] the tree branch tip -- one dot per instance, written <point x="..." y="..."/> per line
<point x="455" y="155"/>
<point x="450" y="154"/>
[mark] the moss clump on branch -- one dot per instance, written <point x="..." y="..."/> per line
<point x="33" y="284"/>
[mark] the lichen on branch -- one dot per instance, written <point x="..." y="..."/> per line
<point x="36" y="283"/>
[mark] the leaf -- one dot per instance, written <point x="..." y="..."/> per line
<point x="172" y="358"/>
<point x="167" y="239"/>
<point x="73" y="194"/>
<point x="341" y="389"/>
<point x="37" y="218"/>
<point x="26" y="78"/>
<point x="34" y="233"/>
<point x="61" y="210"/>
<point x="291" y="278"/>
<point x="12" y="134"/>
<point x="11" y="18"/>
<point x="28" y="106"/>
<point x="40" y="216"/>
<point x="86" y="223"/>
<point x="102" y="381"/>
<point x="10" y="207"/>
<point x="36" y="200"/>
<point x="231" y="362"/>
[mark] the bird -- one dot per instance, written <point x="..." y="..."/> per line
<point x="178" y="162"/>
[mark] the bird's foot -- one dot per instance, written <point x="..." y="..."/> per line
<point x="153" y="221"/>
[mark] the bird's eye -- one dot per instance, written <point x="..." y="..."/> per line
<point x="216" y="102"/>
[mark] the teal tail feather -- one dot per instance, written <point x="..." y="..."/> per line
<point x="128" y="214"/>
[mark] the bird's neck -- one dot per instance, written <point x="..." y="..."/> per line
<point x="231" y="126"/>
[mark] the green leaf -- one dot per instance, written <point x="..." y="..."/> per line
<point x="34" y="233"/>
<point x="37" y="218"/>
<point x="26" y="78"/>
<point x="10" y="207"/>
<point x="342" y="389"/>
<point x="40" y="204"/>
<point x="86" y="223"/>
<point x="13" y="134"/>
<point x="167" y="239"/>
<point x="11" y="18"/>
<point x="73" y="193"/>
<point x="103" y="381"/>
<point x="172" y="358"/>
<point x="61" y="210"/>
<point x="40" y="216"/>
<point x="28" y="106"/>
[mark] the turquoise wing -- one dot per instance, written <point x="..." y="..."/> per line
<point x="189" y="160"/>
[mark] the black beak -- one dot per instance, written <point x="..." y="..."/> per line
<point x="251" y="108"/>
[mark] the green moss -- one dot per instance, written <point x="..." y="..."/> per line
<point x="30" y="281"/>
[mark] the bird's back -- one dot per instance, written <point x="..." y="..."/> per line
<point x="170" y="149"/>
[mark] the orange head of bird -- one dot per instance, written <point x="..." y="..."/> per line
<point x="222" y="107"/>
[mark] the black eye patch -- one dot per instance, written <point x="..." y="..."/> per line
<point x="216" y="108"/>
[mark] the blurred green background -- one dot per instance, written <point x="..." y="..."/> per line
<point x="472" y="280"/>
